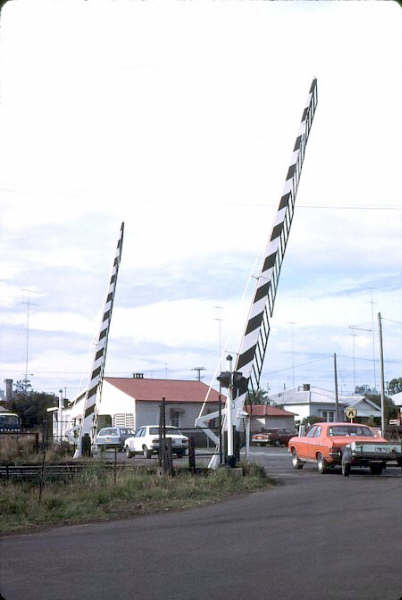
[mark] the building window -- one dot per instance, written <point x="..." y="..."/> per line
<point x="328" y="415"/>
<point x="123" y="420"/>
<point x="175" y="418"/>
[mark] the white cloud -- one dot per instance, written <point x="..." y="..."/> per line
<point x="180" y="118"/>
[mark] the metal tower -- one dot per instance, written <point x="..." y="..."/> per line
<point x="250" y="358"/>
<point x="98" y="366"/>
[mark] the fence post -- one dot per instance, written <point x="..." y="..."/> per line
<point x="42" y="475"/>
<point x="191" y="454"/>
<point x="115" y="466"/>
<point x="236" y="435"/>
<point x="167" y="456"/>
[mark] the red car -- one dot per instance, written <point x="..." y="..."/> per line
<point x="346" y="444"/>
<point x="273" y="437"/>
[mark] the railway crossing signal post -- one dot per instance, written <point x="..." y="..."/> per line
<point x="233" y="381"/>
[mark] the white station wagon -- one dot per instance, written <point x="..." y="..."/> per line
<point x="146" y="441"/>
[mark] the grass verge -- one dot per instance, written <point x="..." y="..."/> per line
<point x="93" y="496"/>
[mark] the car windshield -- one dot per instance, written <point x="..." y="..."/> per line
<point x="352" y="430"/>
<point x="8" y="420"/>
<point x="169" y="431"/>
<point x="109" y="432"/>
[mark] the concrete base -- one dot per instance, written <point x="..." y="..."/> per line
<point x="233" y="471"/>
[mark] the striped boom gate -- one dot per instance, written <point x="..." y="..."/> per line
<point x="98" y="366"/>
<point x="250" y="359"/>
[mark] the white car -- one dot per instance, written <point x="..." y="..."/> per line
<point x="146" y="441"/>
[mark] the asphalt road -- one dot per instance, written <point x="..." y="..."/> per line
<point x="313" y="537"/>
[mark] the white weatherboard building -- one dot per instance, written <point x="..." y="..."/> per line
<point x="397" y="399"/>
<point x="310" y="401"/>
<point x="134" y="402"/>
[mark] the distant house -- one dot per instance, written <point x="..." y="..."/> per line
<point x="134" y="402"/>
<point x="270" y="417"/>
<point x="311" y="401"/>
<point x="397" y="399"/>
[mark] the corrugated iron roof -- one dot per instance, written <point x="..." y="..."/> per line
<point x="263" y="410"/>
<point x="174" y="390"/>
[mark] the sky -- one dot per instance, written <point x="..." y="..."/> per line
<point x="179" y="118"/>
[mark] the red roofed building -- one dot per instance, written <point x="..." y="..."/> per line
<point x="135" y="401"/>
<point x="270" y="417"/>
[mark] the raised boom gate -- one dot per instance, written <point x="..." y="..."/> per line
<point x="96" y="376"/>
<point x="249" y="361"/>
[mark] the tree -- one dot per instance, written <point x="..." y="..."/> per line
<point x="31" y="406"/>
<point x="391" y="410"/>
<point x="258" y="397"/>
<point x="395" y="386"/>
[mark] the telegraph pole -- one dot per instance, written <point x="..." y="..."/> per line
<point x="199" y="369"/>
<point x="382" y="376"/>
<point x="336" y="389"/>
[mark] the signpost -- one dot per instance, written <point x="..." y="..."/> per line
<point x="351" y="413"/>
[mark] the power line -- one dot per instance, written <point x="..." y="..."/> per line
<point x="391" y="320"/>
<point x="390" y="360"/>
<point x="350" y="207"/>
<point x="324" y="206"/>
<point x="300" y="364"/>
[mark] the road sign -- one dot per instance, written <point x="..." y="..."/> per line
<point x="351" y="412"/>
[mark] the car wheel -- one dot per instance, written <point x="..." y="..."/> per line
<point x="321" y="464"/>
<point x="129" y="454"/>
<point x="376" y="469"/>
<point x="147" y="453"/>
<point x="296" y="463"/>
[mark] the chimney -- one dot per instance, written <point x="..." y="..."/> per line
<point x="9" y="389"/>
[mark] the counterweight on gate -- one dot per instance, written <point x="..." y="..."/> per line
<point x="98" y="367"/>
<point x="249" y="361"/>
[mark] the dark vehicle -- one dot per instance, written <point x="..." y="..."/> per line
<point x="272" y="437"/>
<point x="9" y="422"/>
<point x="110" y="438"/>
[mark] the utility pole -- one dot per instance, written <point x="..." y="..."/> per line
<point x="199" y="369"/>
<point x="336" y="389"/>
<point x="382" y="376"/>
<point x="353" y="334"/>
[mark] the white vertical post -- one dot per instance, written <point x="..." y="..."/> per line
<point x="248" y="423"/>
<point x="229" y="414"/>
<point x="59" y="417"/>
